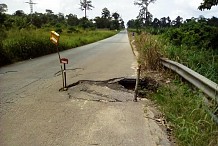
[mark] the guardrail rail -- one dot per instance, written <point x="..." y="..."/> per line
<point x="207" y="86"/>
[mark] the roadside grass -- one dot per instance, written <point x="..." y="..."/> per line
<point x="203" y="61"/>
<point x="30" y="43"/>
<point x="182" y="104"/>
<point x="184" y="108"/>
<point x="148" y="48"/>
<point x="152" y="47"/>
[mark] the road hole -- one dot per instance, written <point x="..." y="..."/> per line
<point x="125" y="84"/>
<point x="112" y="90"/>
<point x="128" y="84"/>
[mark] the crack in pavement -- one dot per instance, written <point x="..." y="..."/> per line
<point x="95" y="100"/>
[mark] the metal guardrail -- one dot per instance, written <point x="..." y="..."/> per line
<point x="207" y="86"/>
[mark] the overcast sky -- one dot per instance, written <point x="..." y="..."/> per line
<point x="126" y="8"/>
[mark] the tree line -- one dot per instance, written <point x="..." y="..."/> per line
<point x="165" y="22"/>
<point x="145" y="18"/>
<point x="20" y="20"/>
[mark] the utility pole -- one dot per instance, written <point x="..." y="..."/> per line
<point x="31" y="3"/>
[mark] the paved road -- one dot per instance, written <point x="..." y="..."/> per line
<point x="34" y="112"/>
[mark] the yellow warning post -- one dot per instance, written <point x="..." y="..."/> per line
<point x="54" y="38"/>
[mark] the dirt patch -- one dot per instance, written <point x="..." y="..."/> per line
<point x="123" y="84"/>
<point x="112" y="90"/>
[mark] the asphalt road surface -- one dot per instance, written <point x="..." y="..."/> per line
<point x="34" y="113"/>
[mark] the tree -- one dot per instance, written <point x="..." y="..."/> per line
<point x="131" y="24"/>
<point x="213" y="21"/>
<point x="19" y="13"/>
<point x="178" y="21"/>
<point x="116" y="15"/>
<point x="61" y="17"/>
<point x="207" y="4"/>
<point x="163" y="22"/>
<point x="38" y="20"/>
<point x="135" y="24"/>
<point x="86" y="5"/>
<point x="156" y="23"/>
<point x="3" y="8"/>
<point x="72" y="20"/>
<point x="115" y="23"/>
<point x="49" y="12"/>
<point x="142" y="15"/>
<point x="168" y="21"/>
<point x="122" y="23"/>
<point x="144" y="7"/>
<point x="85" y="23"/>
<point x="105" y="13"/>
<point x="101" y="22"/>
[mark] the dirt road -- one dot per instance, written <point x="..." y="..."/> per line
<point x="34" y="113"/>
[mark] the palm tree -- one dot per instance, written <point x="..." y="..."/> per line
<point x="144" y="7"/>
<point x="86" y="5"/>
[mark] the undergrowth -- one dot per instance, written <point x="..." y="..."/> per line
<point x="183" y="107"/>
<point x="148" y="49"/>
<point x="203" y="61"/>
<point x="30" y="43"/>
<point x="180" y="102"/>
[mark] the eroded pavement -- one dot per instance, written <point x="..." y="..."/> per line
<point x="89" y="113"/>
<point x="95" y="110"/>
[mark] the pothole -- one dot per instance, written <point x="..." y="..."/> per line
<point x="128" y="84"/>
<point x="113" y="90"/>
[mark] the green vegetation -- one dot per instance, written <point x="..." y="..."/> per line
<point x="207" y="4"/>
<point x="192" y="43"/>
<point x="183" y="107"/>
<point x="25" y="36"/>
<point x="195" y="45"/>
<point x="182" y="104"/>
<point x="26" y="44"/>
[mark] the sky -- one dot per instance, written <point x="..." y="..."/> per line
<point x="126" y="8"/>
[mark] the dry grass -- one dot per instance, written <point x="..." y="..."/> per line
<point x="148" y="48"/>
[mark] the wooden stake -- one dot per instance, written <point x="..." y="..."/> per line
<point x="137" y="83"/>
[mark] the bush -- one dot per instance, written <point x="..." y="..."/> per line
<point x="59" y="30"/>
<point x="195" y="45"/>
<point x="72" y="29"/>
<point x="3" y="55"/>
<point x="194" y="34"/>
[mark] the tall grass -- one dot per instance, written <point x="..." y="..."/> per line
<point x="30" y="43"/>
<point x="183" y="108"/>
<point x="182" y="105"/>
<point x="203" y="61"/>
<point x="148" y="49"/>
